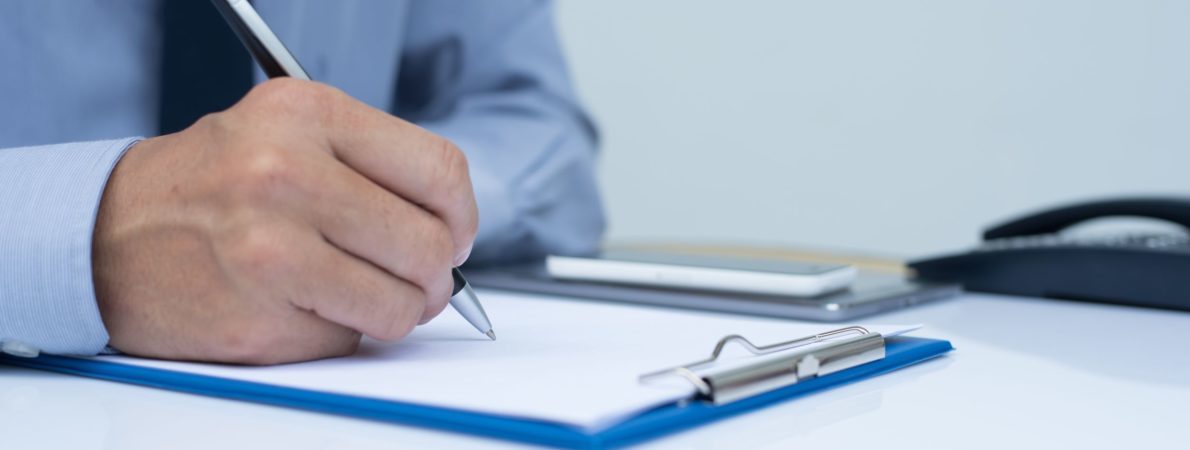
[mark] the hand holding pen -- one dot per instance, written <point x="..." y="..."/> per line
<point x="280" y="230"/>
<point x="277" y="61"/>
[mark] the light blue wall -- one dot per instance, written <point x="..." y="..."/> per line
<point x="899" y="127"/>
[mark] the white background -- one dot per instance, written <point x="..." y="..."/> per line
<point x="900" y="128"/>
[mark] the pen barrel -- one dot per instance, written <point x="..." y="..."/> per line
<point x="467" y="304"/>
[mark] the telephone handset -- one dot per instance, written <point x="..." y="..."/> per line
<point x="1028" y="256"/>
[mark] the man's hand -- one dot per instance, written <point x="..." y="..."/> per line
<point x="280" y="230"/>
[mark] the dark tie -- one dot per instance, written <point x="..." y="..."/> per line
<point x="204" y="68"/>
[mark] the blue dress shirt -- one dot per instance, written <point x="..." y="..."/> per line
<point x="79" y="85"/>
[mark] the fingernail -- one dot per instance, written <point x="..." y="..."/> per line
<point x="462" y="257"/>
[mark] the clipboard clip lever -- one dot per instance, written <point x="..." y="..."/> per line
<point x="777" y="365"/>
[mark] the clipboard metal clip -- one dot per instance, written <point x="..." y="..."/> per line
<point x="777" y="365"/>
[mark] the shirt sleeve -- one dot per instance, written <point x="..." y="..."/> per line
<point x="50" y="196"/>
<point x="490" y="76"/>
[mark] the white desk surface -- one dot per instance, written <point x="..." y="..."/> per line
<point x="1026" y="373"/>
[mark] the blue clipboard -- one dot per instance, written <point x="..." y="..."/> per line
<point x="899" y="352"/>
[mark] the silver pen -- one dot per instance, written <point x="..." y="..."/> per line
<point x="277" y="61"/>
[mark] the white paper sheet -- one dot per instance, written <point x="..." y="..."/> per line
<point x="557" y="360"/>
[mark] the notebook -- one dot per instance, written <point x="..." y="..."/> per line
<point x="563" y="372"/>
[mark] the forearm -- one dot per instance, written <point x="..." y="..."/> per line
<point x="50" y="196"/>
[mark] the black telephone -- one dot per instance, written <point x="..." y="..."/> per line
<point x="1028" y="256"/>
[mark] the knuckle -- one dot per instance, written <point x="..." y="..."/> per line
<point x="283" y="89"/>
<point x="223" y="129"/>
<point x="349" y="344"/>
<point x="406" y="313"/>
<point x="471" y="229"/>
<point x="260" y="253"/>
<point x="435" y="305"/>
<point x="438" y="248"/>
<point x="454" y="180"/>
<point x="289" y="97"/>
<point x="216" y="121"/>
<point x="428" y="252"/>
<point x="267" y="173"/>
<point x="453" y="170"/>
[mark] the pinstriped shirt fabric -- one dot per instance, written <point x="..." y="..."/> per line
<point x="50" y="197"/>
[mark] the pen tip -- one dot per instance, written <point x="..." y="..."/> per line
<point x="491" y="334"/>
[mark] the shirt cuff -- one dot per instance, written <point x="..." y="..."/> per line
<point x="50" y="196"/>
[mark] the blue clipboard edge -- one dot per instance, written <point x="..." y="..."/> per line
<point x="900" y="352"/>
